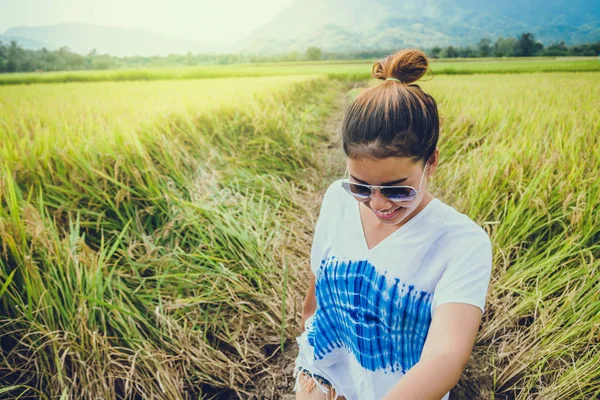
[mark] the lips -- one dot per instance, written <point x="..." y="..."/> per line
<point x="387" y="216"/>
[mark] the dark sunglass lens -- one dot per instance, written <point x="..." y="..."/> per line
<point x="357" y="190"/>
<point x="399" y="194"/>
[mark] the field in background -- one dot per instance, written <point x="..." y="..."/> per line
<point x="101" y="116"/>
<point x="351" y="70"/>
<point x="172" y="238"/>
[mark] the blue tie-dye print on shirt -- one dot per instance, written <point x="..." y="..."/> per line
<point x="381" y="320"/>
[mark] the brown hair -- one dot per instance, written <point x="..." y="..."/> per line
<point x="393" y="119"/>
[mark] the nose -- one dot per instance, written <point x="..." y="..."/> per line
<point x="379" y="202"/>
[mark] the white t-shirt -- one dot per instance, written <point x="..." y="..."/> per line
<point x="374" y="306"/>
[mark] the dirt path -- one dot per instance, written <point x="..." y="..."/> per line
<point x="334" y="165"/>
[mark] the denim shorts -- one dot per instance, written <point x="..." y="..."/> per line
<point x="315" y="376"/>
<point x="320" y="381"/>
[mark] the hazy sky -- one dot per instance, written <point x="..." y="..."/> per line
<point x="221" y="21"/>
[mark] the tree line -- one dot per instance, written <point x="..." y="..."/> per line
<point x="14" y="58"/>
<point x="524" y="45"/>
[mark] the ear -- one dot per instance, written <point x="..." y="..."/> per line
<point x="434" y="162"/>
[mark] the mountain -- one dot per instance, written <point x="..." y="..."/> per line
<point x="348" y="25"/>
<point x="26" y="43"/>
<point x="82" y="38"/>
<point x="341" y="25"/>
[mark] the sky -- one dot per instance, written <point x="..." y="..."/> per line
<point x="220" y="21"/>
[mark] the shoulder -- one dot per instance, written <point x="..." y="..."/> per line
<point x="461" y="232"/>
<point x="333" y="194"/>
<point x="330" y="202"/>
<point x="336" y="204"/>
<point x="335" y="188"/>
<point x="467" y="262"/>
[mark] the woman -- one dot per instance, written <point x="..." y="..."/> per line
<point x="399" y="277"/>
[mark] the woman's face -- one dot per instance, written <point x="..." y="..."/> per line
<point x="385" y="172"/>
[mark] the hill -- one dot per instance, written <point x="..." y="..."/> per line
<point x="348" y="25"/>
<point x="82" y="38"/>
<point x="337" y="25"/>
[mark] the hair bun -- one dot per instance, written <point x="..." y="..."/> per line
<point x="405" y="65"/>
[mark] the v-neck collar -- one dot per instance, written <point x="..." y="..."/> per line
<point x="363" y="237"/>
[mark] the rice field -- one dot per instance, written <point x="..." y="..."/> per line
<point x="341" y="70"/>
<point x="145" y="256"/>
<point x="522" y="156"/>
<point x="154" y="236"/>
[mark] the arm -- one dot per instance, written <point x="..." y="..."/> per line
<point x="310" y="302"/>
<point x="446" y="351"/>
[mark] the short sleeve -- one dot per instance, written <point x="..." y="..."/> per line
<point x="320" y="236"/>
<point x="467" y="276"/>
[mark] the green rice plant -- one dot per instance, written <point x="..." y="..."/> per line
<point x="143" y="243"/>
<point x="521" y="155"/>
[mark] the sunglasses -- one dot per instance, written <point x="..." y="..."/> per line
<point x="396" y="194"/>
